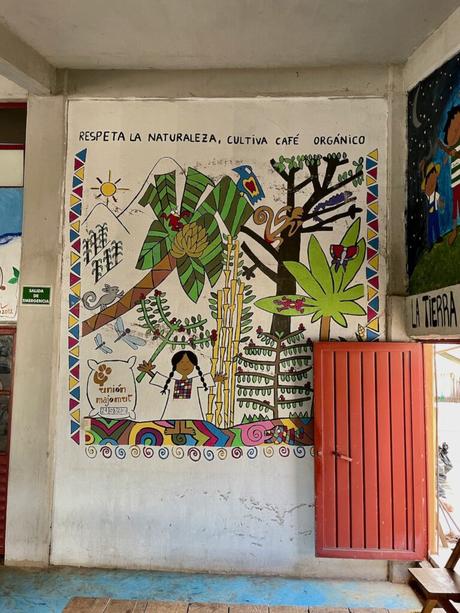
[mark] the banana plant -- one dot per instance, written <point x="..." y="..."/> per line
<point x="183" y="236"/>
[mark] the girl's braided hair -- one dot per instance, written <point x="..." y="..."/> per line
<point x="177" y="357"/>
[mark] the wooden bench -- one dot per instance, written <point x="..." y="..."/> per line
<point x="440" y="586"/>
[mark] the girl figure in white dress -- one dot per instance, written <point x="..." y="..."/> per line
<point x="186" y="393"/>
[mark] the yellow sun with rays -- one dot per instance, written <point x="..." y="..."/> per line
<point x="108" y="189"/>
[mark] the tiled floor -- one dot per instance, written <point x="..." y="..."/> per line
<point x="50" y="590"/>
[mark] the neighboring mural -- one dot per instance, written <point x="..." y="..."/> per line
<point x="10" y="250"/>
<point x="203" y="265"/>
<point x="433" y="178"/>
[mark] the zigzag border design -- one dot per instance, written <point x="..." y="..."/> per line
<point x="373" y="258"/>
<point x="73" y="319"/>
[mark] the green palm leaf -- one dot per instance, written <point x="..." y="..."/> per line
<point x="191" y="276"/>
<point x="166" y="188"/>
<point x="340" y="278"/>
<point x="156" y="245"/>
<point x="319" y="265"/>
<point x="353" y="293"/>
<point x="355" y="264"/>
<point x="339" y="319"/>
<point x="195" y="185"/>
<point x="305" y="279"/>
<point x="348" y="307"/>
<point x="233" y="208"/>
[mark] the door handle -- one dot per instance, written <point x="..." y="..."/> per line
<point x="342" y="456"/>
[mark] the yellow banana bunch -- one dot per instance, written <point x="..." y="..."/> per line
<point x="191" y="241"/>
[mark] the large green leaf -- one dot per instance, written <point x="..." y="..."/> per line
<point x="195" y="185"/>
<point x="156" y="245"/>
<point x="355" y="292"/>
<point x="351" y="236"/>
<point x="339" y="319"/>
<point x="355" y="264"/>
<point x="349" y="239"/>
<point x="233" y="208"/>
<point x="285" y="305"/>
<point x="212" y="258"/>
<point x="350" y="307"/>
<point x="166" y="188"/>
<point x="191" y="276"/>
<point x="319" y="266"/>
<point x="161" y="198"/>
<point x="305" y="279"/>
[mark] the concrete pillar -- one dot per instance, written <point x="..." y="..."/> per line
<point x="30" y="485"/>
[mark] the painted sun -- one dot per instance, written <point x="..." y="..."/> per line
<point x="108" y="189"/>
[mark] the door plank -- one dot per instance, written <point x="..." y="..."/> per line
<point x="342" y="449"/>
<point x="356" y="453"/>
<point x="384" y="452"/>
<point x="371" y="503"/>
<point x="419" y="465"/>
<point x="329" y="525"/>
<point x="408" y="444"/>
<point x="398" y="451"/>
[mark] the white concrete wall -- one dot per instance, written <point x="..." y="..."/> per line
<point x="34" y="400"/>
<point x="443" y="44"/>
<point x="10" y="91"/>
<point x="254" y="516"/>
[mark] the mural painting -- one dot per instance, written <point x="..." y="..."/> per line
<point x="433" y="178"/>
<point x="203" y="267"/>
<point x="10" y="250"/>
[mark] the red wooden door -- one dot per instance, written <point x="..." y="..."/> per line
<point x="370" y="468"/>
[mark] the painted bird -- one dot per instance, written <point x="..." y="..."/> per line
<point x="248" y="184"/>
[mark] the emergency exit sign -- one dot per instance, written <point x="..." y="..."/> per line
<point x="36" y="294"/>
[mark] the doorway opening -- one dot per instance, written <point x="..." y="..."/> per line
<point x="446" y="391"/>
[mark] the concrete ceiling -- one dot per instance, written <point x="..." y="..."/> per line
<point x="200" y="34"/>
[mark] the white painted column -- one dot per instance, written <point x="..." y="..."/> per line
<point x="30" y="485"/>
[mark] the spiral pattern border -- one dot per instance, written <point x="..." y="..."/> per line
<point x="193" y="453"/>
<point x="106" y="451"/>
<point x="135" y="451"/>
<point x="120" y="452"/>
<point x="208" y="454"/>
<point x="163" y="453"/>
<point x="91" y="451"/>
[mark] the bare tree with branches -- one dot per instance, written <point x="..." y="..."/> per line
<point x="323" y="205"/>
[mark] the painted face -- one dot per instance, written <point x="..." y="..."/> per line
<point x="453" y="133"/>
<point x="184" y="367"/>
<point x="430" y="183"/>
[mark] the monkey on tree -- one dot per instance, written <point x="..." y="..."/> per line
<point x="285" y="227"/>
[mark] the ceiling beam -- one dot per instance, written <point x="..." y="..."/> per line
<point x="21" y="64"/>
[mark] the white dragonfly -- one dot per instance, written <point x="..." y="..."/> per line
<point x="125" y="335"/>
<point x="100" y="344"/>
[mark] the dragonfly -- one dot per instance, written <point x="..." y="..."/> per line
<point x="100" y="344"/>
<point x="125" y="334"/>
